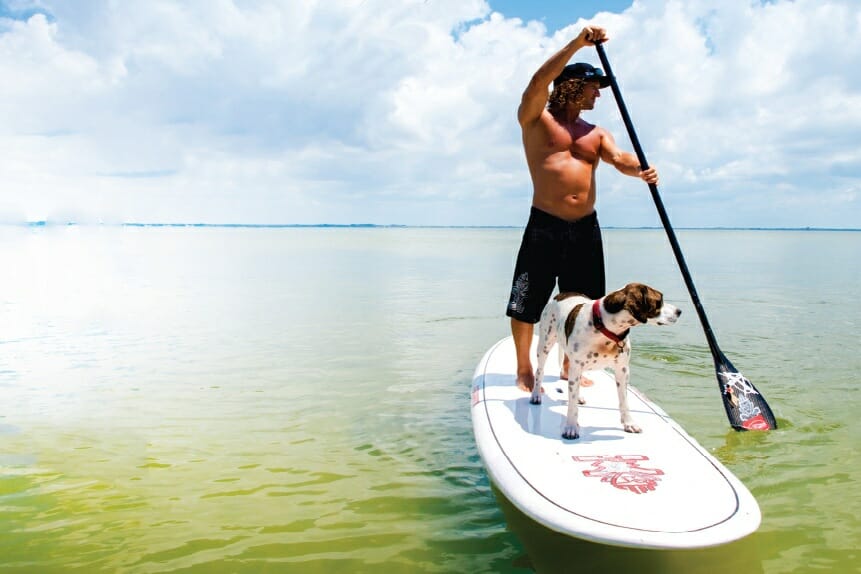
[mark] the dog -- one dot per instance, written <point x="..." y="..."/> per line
<point x="593" y="334"/>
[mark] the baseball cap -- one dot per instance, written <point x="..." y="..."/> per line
<point x="582" y="71"/>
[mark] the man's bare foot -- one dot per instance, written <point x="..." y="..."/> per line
<point x="584" y="381"/>
<point x="526" y="380"/>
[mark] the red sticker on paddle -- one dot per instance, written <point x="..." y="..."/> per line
<point x="756" y="423"/>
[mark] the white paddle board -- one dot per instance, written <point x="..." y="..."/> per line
<point x="656" y="489"/>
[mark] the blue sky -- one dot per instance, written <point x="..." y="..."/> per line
<point x="557" y="14"/>
<point x="372" y="111"/>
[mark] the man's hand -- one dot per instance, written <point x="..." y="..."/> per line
<point x="649" y="175"/>
<point x="591" y="35"/>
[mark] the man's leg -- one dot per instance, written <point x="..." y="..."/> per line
<point x="522" y="334"/>
<point x="584" y="270"/>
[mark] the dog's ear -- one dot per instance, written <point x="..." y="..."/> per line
<point x="644" y="302"/>
<point x="615" y="301"/>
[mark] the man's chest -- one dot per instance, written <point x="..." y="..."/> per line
<point x="582" y="141"/>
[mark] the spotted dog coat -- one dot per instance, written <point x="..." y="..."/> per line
<point x="593" y="334"/>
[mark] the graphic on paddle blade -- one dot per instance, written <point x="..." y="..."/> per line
<point x="745" y="406"/>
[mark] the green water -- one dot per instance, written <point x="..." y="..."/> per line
<point x="297" y="400"/>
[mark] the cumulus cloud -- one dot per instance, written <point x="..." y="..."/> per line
<point x="305" y="111"/>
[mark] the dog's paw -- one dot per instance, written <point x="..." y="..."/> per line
<point x="631" y="427"/>
<point x="571" y="432"/>
<point x="535" y="399"/>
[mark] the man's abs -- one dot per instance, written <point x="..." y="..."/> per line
<point x="564" y="186"/>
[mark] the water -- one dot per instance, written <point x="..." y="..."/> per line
<point x="297" y="400"/>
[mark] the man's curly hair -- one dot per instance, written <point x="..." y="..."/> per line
<point x="568" y="92"/>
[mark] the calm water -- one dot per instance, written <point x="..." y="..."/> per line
<point x="297" y="400"/>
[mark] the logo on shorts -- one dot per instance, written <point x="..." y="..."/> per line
<point x="518" y="293"/>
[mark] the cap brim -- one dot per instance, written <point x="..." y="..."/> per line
<point x="603" y="81"/>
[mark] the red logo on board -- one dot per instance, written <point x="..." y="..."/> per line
<point x="623" y="472"/>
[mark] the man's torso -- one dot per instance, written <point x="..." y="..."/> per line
<point x="562" y="160"/>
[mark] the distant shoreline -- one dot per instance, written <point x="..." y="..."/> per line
<point x="389" y="226"/>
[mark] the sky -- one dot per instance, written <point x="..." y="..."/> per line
<point x="404" y="111"/>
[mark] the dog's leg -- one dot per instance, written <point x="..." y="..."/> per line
<point x="572" y="429"/>
<point x="623" y="372"/>
<point x="561" y="350"/>
<point x="546" y="340"/>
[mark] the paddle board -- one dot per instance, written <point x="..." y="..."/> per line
<point x="656" y="489"/>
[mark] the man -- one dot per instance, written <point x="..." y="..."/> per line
<point x="562" y="239"/>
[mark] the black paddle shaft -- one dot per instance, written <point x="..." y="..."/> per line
<point x="671" y="235"/>
<point x="745" y="407"/>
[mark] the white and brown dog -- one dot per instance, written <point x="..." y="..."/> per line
<point x="593" y="335"/>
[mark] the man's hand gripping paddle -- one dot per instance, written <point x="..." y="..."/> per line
<point x="745" y="406"/>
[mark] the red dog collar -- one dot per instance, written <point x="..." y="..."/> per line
<point x="599" y="324"/>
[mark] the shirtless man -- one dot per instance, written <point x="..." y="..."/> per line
<point x="562" y="239"/>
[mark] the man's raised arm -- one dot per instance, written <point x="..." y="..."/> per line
<point x="535" y="97"/>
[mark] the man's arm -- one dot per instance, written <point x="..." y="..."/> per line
<point x="535" y="96"/>
<point x="625" y="162"/>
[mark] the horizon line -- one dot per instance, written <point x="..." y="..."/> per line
<point x="45" y="223"/>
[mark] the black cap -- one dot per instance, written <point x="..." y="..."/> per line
<point x="582" y="71"/>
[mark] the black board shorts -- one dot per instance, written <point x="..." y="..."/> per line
<point x="554" y="249"/>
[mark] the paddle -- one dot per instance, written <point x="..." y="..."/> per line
<point x="745" y="406"/>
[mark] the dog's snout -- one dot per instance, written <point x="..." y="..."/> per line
<point x="669" y="314"/>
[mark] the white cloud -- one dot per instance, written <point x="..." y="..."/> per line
<point x="404" y="112"/>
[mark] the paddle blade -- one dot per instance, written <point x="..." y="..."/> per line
<point x="745" y="406"/>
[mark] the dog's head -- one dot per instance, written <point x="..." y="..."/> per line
<point x="646" y="305"/>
